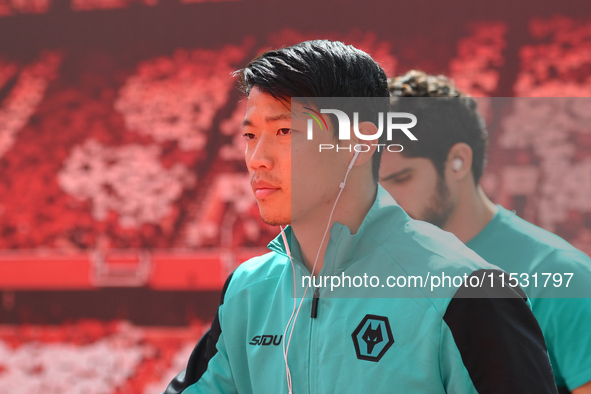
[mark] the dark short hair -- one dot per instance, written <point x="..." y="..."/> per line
<point x="445" y="116"/>
<point x="321" y="68"/>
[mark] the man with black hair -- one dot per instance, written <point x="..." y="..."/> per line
<point x="263" y="340"/>
<point x="437" y="180"/>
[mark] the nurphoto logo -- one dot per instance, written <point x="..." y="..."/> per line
<point x="344" y="124"/>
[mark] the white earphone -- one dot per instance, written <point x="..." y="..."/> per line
<point x="457" y="164"/>
<point x="342" y="185"/>
<point x="357" y="152"/>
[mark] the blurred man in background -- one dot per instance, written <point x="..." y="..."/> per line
<point x="436" y="179"/>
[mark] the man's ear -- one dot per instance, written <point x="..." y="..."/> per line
<point x="459" y="161"/>
<point x="367" y="147"/>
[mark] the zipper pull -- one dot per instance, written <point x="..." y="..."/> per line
<point x="315" y="303"/>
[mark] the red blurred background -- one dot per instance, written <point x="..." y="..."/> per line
<point x="124" y="200"/>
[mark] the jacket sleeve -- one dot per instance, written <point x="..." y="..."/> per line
<point x="198" y="367"/>
<point x="491" y="341"/>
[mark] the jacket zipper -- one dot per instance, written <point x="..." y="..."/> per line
<point x="314" y="311"/>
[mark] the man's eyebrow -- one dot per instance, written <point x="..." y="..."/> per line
<point x="283" y="116"/>
<point x="270" y="119"/>
<point x="396" y="174"/>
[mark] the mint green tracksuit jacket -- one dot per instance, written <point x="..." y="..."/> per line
<point x="382" y="339"/>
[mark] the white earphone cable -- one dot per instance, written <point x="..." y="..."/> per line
<point x="285" y="340"/>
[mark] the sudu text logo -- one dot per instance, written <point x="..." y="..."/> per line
<point x="344" y="124"/>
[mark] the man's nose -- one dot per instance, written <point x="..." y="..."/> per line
<point x="261" y="155"/>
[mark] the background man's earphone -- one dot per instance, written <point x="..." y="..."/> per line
<point x="457" y="164"/>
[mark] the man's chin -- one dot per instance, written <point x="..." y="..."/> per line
<point x="275" y="220"/>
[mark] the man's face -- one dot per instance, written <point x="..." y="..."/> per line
<point x="276" y="138"/>
<point x="267" y="130"/>
<point x="417" y="187"/>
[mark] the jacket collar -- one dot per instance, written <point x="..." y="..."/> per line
<point x="383" y="219"/>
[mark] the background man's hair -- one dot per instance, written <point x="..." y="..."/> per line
<point x="322" y="68"/>
<point x="445" y="116"/>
